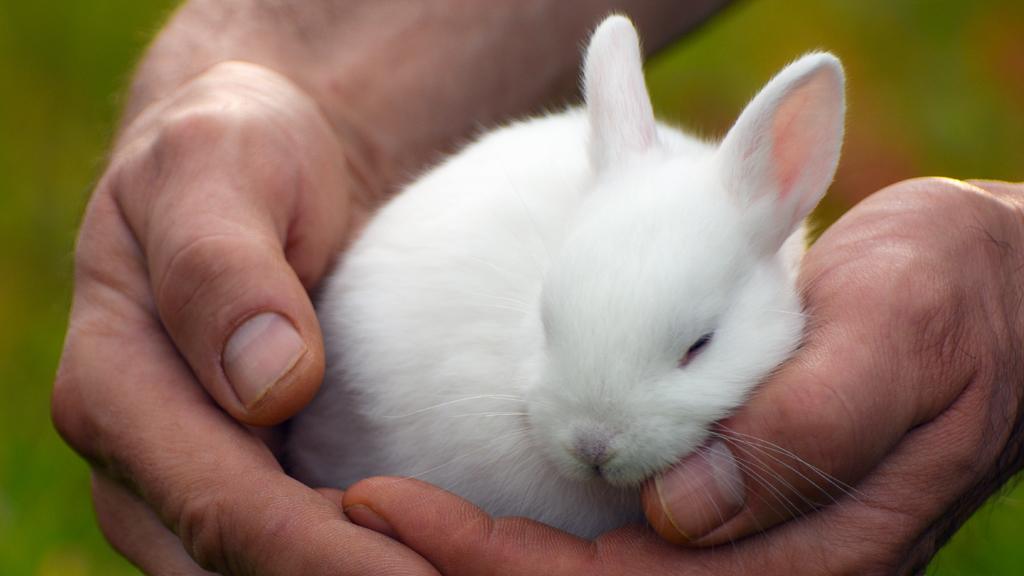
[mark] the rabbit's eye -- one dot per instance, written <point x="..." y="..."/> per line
<point x="695" y="349"/>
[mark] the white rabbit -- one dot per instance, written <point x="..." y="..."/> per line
<point x="563" y="308"/>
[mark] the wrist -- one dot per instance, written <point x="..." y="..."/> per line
<point x="400" y="85"/>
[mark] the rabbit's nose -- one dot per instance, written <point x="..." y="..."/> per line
<point x="593" y="447"/>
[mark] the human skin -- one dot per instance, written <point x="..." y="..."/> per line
<point x="908" y="390"/>
<point x="257" y="136"/>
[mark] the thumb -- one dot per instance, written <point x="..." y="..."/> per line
<point x="239" y="209"/>
<point x="872" y="368"/>
<point x="799" y="443"/>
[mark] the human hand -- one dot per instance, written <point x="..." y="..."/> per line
<point x="222" y="205"/>
<point x="226" y="197"/>
<point x="899" y="416"/>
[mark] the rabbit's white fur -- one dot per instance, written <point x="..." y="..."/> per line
<point x="511" y="326"/>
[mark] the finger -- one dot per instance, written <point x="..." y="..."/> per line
<point x="458" y="537"/>
<point x="136" y="412"/>
<point x="907" y="507"/>
<point x="1000" y="186"/>
<point x="1012" y="192"/>
<point x="867" y="374"/>
<point x="136" y="532"/>
<point x="238" y="202"/>
<point x="801" y="442"/>
<point x="905" y="510"/>
<point x="218" y="487"/>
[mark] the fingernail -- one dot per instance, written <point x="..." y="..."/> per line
<point x="367" y="518"/>
<point x="259" y="353"/>
<point x="700" y="494"/>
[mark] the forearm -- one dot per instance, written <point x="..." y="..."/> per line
<point x="402" y="80"/>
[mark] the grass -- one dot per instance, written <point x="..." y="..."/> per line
<point x="63" y="65"/>
<point x="935" y="88"/>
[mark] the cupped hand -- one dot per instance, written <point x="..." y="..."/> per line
<point x="895" y="420"/>
<point x="222" y="205"/>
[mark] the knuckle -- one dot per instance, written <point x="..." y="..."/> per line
<point x="221" y="532"/>
<point x="178" y="141"/>
<point x="64" y="407"/>
<point x="207" y="122"/>
<point x="857" y="546"/>
<point x="200" y="524"/>
<point x="199" y="262"/>
<point x="201" y="123"/>
<point x="66" y="410"/>
<point x="239" y="70"/>
<point x="931" y="194"/>
<point x="476" y="533"/>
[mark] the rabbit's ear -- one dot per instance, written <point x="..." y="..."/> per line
<point x="779" y="158"/>
<point x="618" y="108"/>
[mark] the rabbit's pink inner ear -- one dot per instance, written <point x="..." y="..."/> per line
<point x="779" y="158"/>
<point x="805" y="130"/>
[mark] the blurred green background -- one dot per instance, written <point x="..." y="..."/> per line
<point x="935" y="88"/>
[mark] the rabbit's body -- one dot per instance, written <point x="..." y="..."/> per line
<point x="516" y="325"/>
<point x="470" y="261"/>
